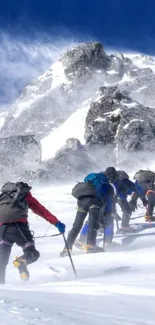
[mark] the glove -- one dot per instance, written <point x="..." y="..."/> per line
<point x="61" y="227"/>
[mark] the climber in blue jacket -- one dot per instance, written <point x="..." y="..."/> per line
<point x="91" y="204"/>
<point x="123" y="187"/>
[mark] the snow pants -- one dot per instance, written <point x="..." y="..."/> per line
<point x="91" y="205"/>
<point x="149" y="189"/>
<point x="20" y="234"/>
<point x="126" y="212"/>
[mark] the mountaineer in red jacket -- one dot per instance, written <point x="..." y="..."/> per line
<point x="15" y="200"/>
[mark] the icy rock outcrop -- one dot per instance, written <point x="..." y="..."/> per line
<point x="141" y="86"/>
<point x="19" y="153"/>
<point x="39" y="176"/>
<point x="85" y="59"/>
<point x="116" y="119"/>
<point x="119" y="66"/>
<point x="71" y="161"/>
<point x="103" y="117"/>
<point x="136" y="130"/>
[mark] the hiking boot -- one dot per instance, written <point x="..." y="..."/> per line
<point x="92" y="249"/>
<point x="112" y="246"/>
<point x="21" y="265"/>
<point x="65" y="252"/>
<point x="79" y="244"/>
<point x="149" y="218"/>
<point x="124" y="230"/>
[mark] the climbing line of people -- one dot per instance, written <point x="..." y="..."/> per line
<point x="98" y="195"/>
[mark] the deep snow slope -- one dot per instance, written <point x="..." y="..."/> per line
<point x="111" y="288"/>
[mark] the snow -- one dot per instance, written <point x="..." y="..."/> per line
<point x="111" y="72"/>
<point x="73" y="127"/>
<point x="142" y="61"/>
<point x="55" y="75"/>
<point x="3" y="116"/>
<point x="111" y="288"/>
<point x="58" y="74"/>
<point x="131" y="105"/>
<point x="100" y="119"/>
<point x="139" y="89"/>
<point x="125" y="127"/>
<point x="126" y="78"/>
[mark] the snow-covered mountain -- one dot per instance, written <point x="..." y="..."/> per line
<point x="106" y="101"/>
<point x="51" y="97"/>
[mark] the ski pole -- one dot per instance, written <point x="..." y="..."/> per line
<point x="69" y="254"/>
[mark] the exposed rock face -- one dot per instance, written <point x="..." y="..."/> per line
<point x="116" y="119"/>
<point x="141" y="86"/>
<point x="19" y="153"/>
<point x="136" y="130"/>
<point x="85" y="59"/>
<point x="103" y="117"/>
<point x="71" y="161"/>
<point x="37" y="176"/>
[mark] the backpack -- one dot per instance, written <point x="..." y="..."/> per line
<point x="83" y="189"/>
<point x="144" y="176"/>
<point x="122" y="175"/>
<point x="97" y="179"/>
<point x="13" y="205"/>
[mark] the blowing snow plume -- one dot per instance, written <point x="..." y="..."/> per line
<point x="23" y="59"/>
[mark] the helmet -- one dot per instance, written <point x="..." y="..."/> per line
<point x="111" y="174"/>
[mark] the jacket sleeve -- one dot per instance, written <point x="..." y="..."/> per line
<point x="40" y="210"/>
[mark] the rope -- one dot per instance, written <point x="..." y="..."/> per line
<point x="47" y="236"/>
<point x="21" y="232"/>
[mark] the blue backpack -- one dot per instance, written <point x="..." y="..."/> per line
<point x="97" y="179"/>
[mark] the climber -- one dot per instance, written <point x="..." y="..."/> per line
<point x="146" y="180"/>
<point x="92" y="195"/>
<point x="15" y="199"/>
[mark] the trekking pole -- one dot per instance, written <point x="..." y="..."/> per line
<point x="69" y="254"/>
<point x="104" y="240"/>
<point x="117" y="219"/>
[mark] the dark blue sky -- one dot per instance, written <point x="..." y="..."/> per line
<point x="32" y="32"/>
<point x="120" y="23"/>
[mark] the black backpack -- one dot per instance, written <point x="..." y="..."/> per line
<point x="83" y="189"/>
<point x="13" y="205"/>
<point x="144" y="176"/>
<point x="121" y="174"/>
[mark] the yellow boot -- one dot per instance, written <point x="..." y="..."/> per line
<point x="21" y="265"/>
<point x="147" y="218"/>
<point x="92" y="249"/>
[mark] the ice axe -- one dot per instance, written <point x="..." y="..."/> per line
<point x="69" y="255"/>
